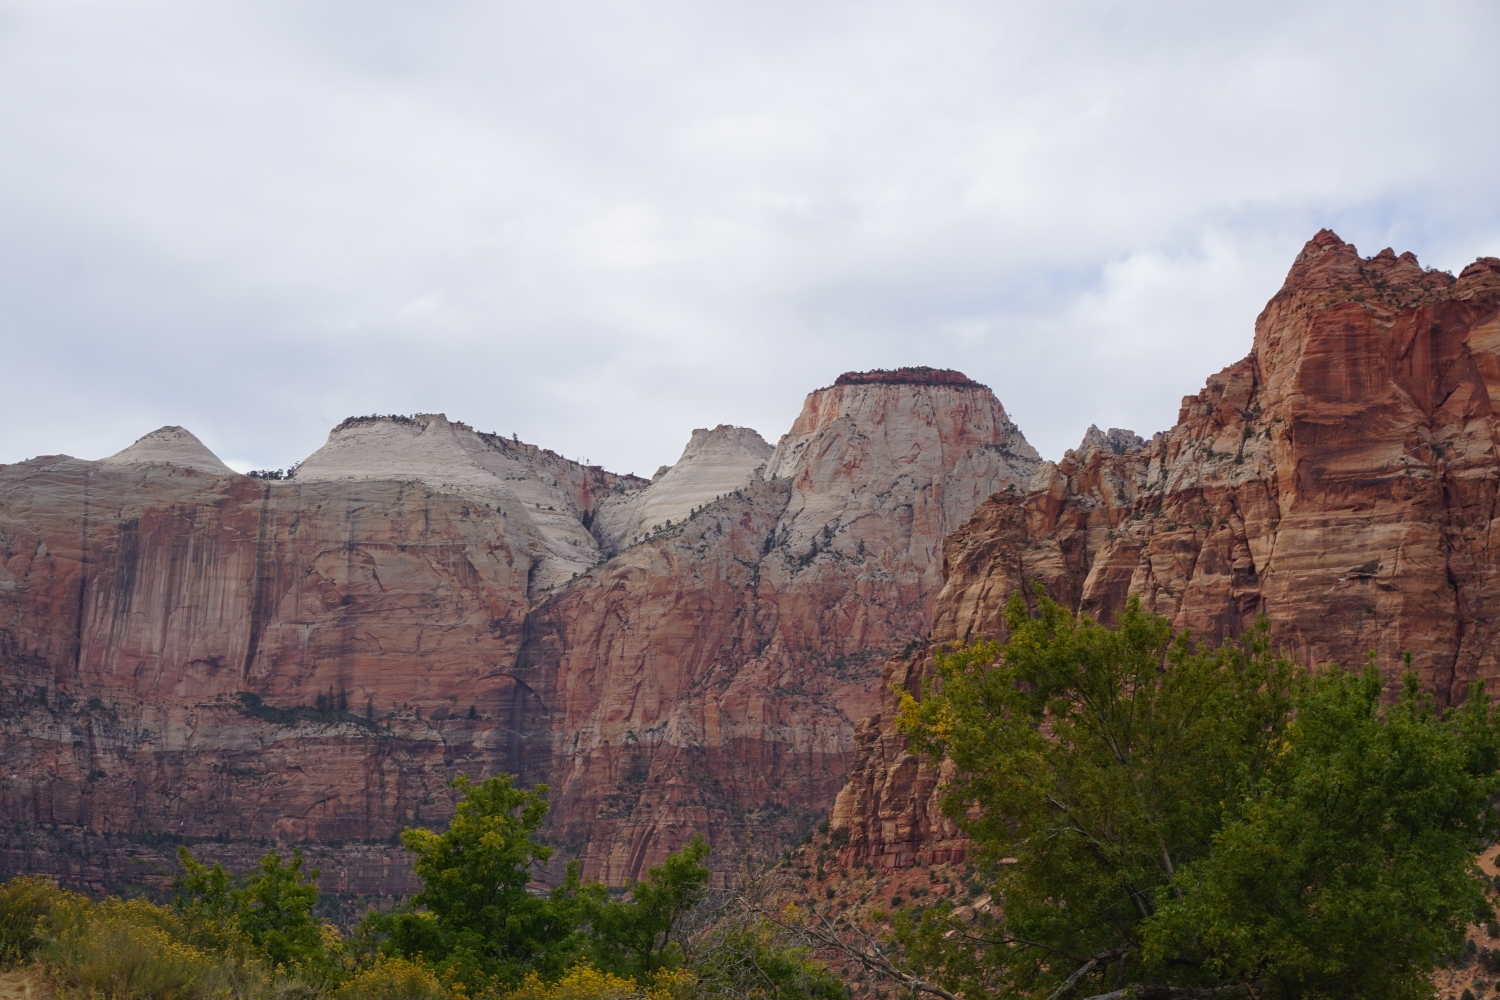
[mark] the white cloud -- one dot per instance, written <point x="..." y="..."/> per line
<point x="600" y="225"/>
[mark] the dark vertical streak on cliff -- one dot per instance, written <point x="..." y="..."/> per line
<point x="83" y="578"/>
<point x="264" y="567"/>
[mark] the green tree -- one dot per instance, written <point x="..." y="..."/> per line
<point x="475" y="915"/>
<point x="274" y="910"/>
<point x="204" y="898"/>
<point x="1350" y="866"/>
<point x="271" y="909"/>
<point x="1197" y="818"/>
<point x="639" y="936"/>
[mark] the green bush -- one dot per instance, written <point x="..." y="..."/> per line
<point x="750" y="962"/>
<point x="269" y="913"/>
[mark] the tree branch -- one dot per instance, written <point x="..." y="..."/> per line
<point x="1083" y="970"/>
<point x="1146" y="991"/>
<point x="870" y="956"/>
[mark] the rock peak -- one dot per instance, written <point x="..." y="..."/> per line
<point x="714" y="464"/>
<point x="1326" y="238"/>
<point x="171" y="445"/>
<point x="1116" y="441"/>
<point x="919" y="375"/>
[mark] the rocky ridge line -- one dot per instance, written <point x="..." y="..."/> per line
<point x="188" y="653"/>
<point x="1342" y="479"/>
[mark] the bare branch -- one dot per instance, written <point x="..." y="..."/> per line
<point x="1143" y="991"/>
<point x="871" y="956"/>
<point x="1085" y="969"/>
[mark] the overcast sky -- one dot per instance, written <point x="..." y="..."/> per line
<point x="600" y="225"/>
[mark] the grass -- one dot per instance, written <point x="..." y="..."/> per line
<point x="114" y="951"/>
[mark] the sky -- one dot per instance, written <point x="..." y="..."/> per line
<point x="599" y="225"/>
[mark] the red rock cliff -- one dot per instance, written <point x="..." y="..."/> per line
<point x="189" y="652"/>
<point x="709" y="678"/>
<point x="1341" y="479"/>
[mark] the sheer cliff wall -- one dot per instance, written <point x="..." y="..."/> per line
<point x="1341" y="480"/>
<point x="187" y="653"/>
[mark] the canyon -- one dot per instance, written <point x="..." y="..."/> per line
<point x="192" y="655"/>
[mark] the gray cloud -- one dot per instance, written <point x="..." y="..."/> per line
<point x="600" y="225"/>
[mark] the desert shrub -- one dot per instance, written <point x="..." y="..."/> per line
<point x="393" y="979"/>
<point x="25" y="905"/>
<point x="753" y="960"/>
<point x="122" y="950"/>
<point x="584" y="982"/>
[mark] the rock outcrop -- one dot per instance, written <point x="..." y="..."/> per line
<point x="191" y="653"/>
<point x="1341" y="480"/>
<point x="714" y="464"/>
<point x="544" y="498"/>
<point x="202" y="654"/>
<point x="709" y="678"/>
<point x="170" y="446"/>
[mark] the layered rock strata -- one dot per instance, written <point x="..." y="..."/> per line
<point x="709" y="678"/>
<point x="714" y="464"/>
<point x="1341" y="480"/>
<point x="202" y="654"/>
<point x="190" y="653"/>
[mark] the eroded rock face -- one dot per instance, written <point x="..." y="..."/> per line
<point x="187" y="651"/>
<point x="1341" y="479"/>
<point x="205" y="654"/>
<point x="710" y="677"/>
<point x="714" y="464"/>
<point x="544" y="498"/>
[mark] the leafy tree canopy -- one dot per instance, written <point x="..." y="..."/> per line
<point x="1196" y="820"/>
<point x="272" y="910"/>
<point x="638" y="936"/>
<point x="478" y="918"/>
<point x="275" y="910"/>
